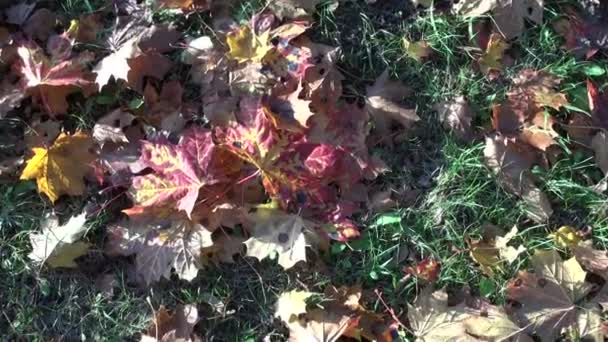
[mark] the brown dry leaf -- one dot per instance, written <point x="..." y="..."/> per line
<point x="323" y="81"/>
<point x="146" y="65"/>
<point x="382" y="104"/>
<point x="492" y="250"/>
<point x="538" y="87"/>
<point x="549" y="297"/>
<point x="593" y="260"/>
<point x="40" y="25"/>
<point x="186" y="5"/>
<point x="511" y="162"/>
<point x="490" y="62"/>
<point x="173" y="326"/>
<point x="60" y="168"/>
<point x="599" y="144"/>
<point x="539" y="132"/>
<point x="456" y="116"/>
<point x="580" y="129"/>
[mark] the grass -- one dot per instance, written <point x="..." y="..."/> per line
<point x="457" y="194"/>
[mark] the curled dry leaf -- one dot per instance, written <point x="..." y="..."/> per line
<point x="60" y="168"/>
<point x="456" y="116"/>
<point x="382" y="104"/>
<point x="167" y="326"/>
<point x="549" y="298"/>
<point x="511" y="162"/>
<point x="57" y="245"/>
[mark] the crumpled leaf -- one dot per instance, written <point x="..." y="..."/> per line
<point x="549" y="297"/>
<point x="161" y="245"/>
<point x="176" y="326"/>
<point x="57" y="245"/>
<point x="290" y="305"/>
<point x="456" y="116"/>
<point x="492" y="250"/>
<point x="275" y="231"/>
<point x="245" y="45"/>
<point x="511" y="162"/>
<point x="381" y="103"/>
<point x="59" y="169"/>
<point x="49" y="82"/>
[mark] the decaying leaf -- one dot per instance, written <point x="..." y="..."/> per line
<point x="290" y="305"/>
<point x="492" y="250"/>
<point x="60" y="168"/>
<point x="57" y="245"/>
<point x="277" y="232"/>
<point x="173" y="326"/>
<point x="456" y="116"/>
<point x="511" y="161"/>
<point x="549" y="297"/>
<point x="382" y="104"/>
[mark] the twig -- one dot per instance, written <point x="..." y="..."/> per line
<point x="390" y="311"/>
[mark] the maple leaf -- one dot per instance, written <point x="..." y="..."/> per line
<point x="492" y="250"/>
<point x="167" y="326"/>
<point x="290" y="305"/>
<point x="323" y="81"/>
<point x="50" y="82"/>
<point x="292" y="111"/>
<point x="417" y="50"/>
<point x="110" y="127"/>
<point x="511" y="161"/>
<point x="566" y="236"/>
<point x="593" y="260"/>
<point x="59" y="169"/>
<point x="57" y="245"/>
<point x="432" y="319"/>
<point x="245" y="45"/>
<point x="180" y="171"/>
<point x="427" y="269"/>
<point x="276" y="231"/>
<point x="550" y="295"/>
<point x="490" y="62"/>
<point x="382" y="106"/>
<point x="456" y="116"/>
<point x="161" y="245"/>
<point x="584" y="37"/>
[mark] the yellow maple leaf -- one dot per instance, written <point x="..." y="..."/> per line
<point x="291" y="304"/>
<point x="245" y="45"/>
<point x="417" y="50"/>
<point x="59" y="169"/>
<point x="491" y="60"/>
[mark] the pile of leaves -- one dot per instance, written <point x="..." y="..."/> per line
<point x="267" y="159"/>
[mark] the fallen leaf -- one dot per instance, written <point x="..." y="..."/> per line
<point x="110" y="128"/>
<point x="40" y="25"/>
<point x="115" y="65"/>
<point x="381" y="103"/>
<point x="456" y="116"/>
<point x="599" y="144"/>
<point x="277" y="232"/>
<point x="247" y="46"/>
<point x="427" y="269"/>
<point x="491" y="58"/>
<point x="49" y="82"/>
<point x="566" y="236"/>
<point x="186" y="5"/>
<point x="511" y="162"/>
<point x="161" y="245"/>
<point x="593" y="260"/>
<point x="146" y="65"/>
<point x="492" y="250"/>
<point x="176" y="326"/>
<point x="10" y="97"/>
<point x="539" y="132"/>
<point x="598" y="104"/>
<point x="290" y="305"/>
<point x="549" y="296"/>
<point x="57" y="245"/>
<point x="417" y="50"/>
<point x="59" y="169"/>
<point x="18" y="13"/>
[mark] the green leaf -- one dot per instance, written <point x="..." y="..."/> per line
<point x="592" y="70"/>
<point x="387" y="219"/>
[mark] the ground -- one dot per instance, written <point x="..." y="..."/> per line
<point x="454" y="195"/>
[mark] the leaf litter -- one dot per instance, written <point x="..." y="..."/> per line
<point x="260" y="165"/>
